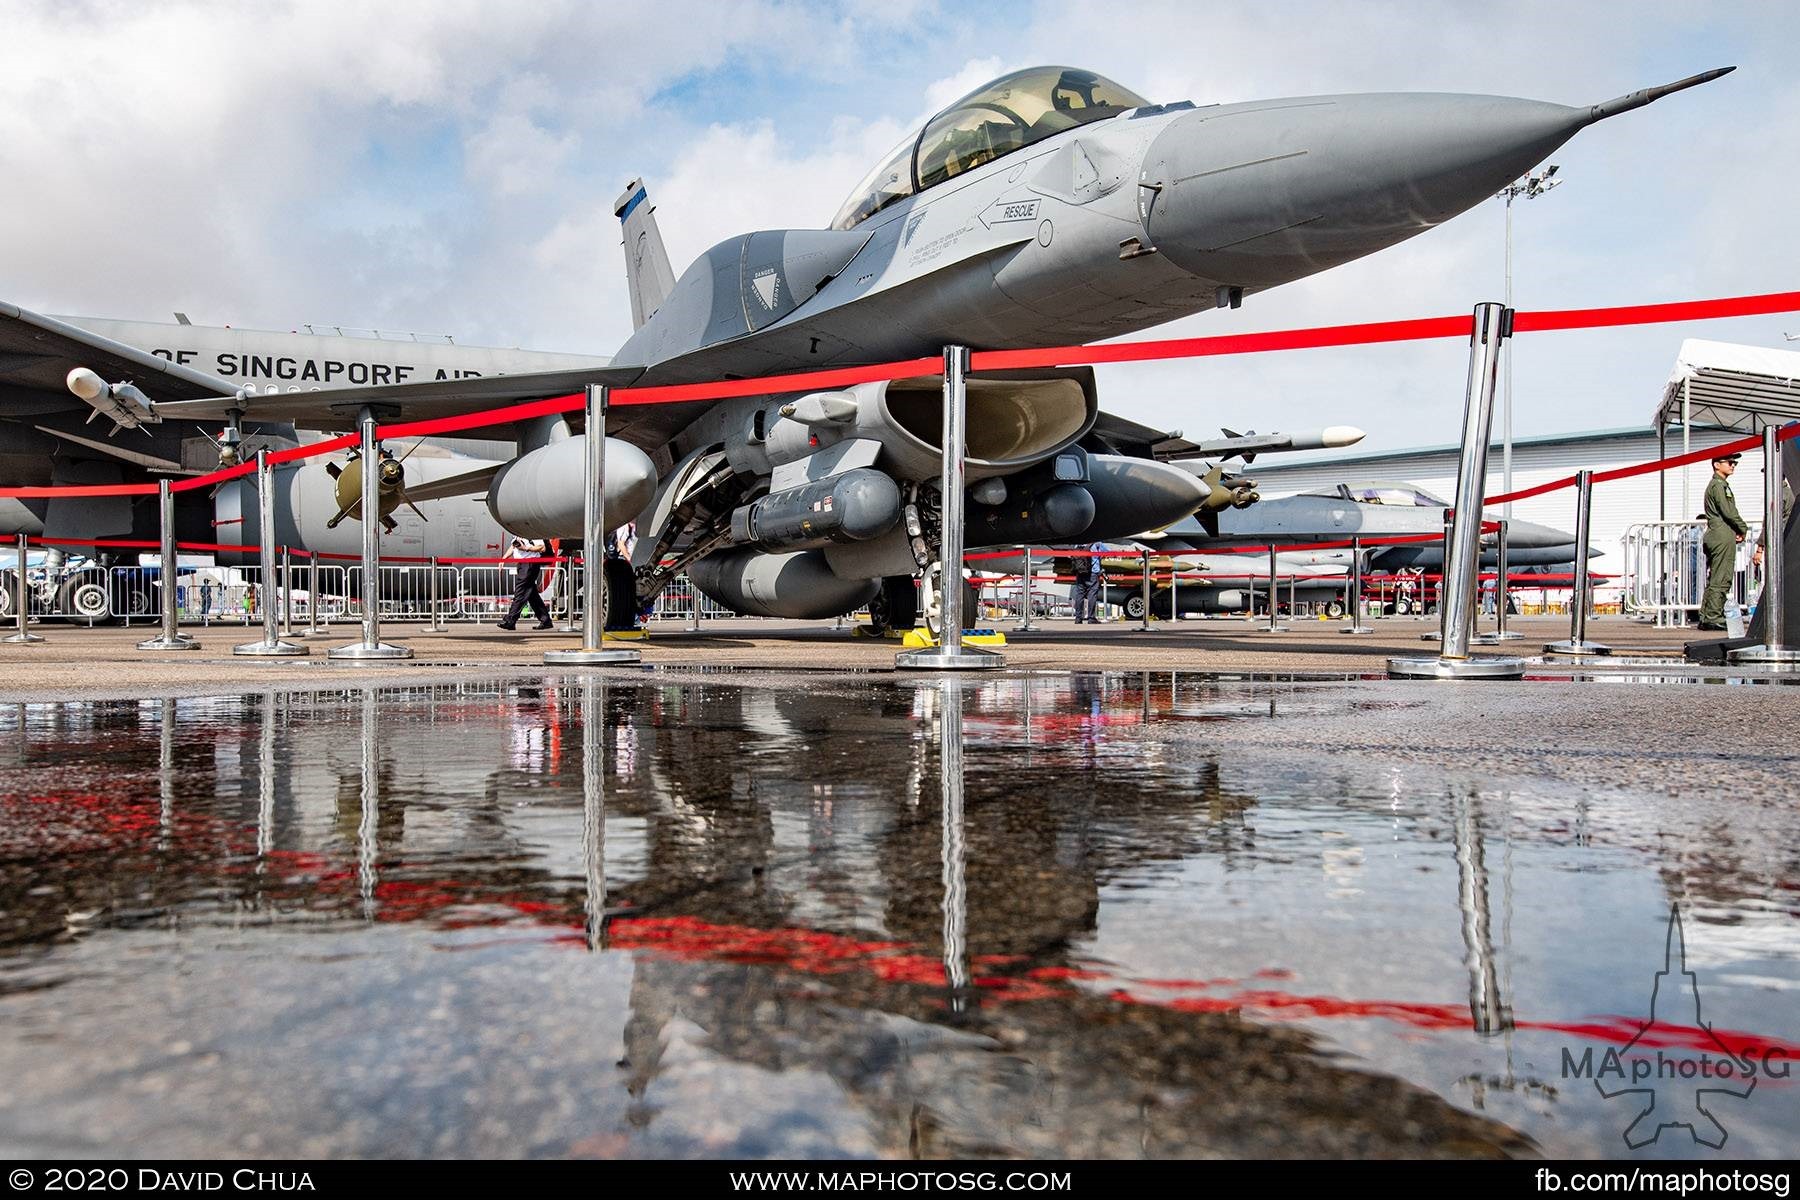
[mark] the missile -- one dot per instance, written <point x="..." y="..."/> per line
<point x="1249" y="445"/>
<point x="121" y="403"/>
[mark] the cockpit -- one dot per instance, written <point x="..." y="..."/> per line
<point x="1400" y="495"/>
<point x="1011" y="113"/>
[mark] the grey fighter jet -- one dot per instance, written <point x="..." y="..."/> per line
<point x="1051" y="206"/>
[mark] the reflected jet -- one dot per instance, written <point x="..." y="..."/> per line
<point x="1051" y="206"/>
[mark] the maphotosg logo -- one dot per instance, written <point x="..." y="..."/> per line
<point x="1676" y="1067"/>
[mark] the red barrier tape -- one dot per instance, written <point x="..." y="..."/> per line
<point x="97" y="489"/>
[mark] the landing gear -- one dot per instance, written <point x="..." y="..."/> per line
<point x="11" y="594"/>
<point x="1335" y="609"/>
<point x="896" y="605"/>
<point x="933" y="605"/>
<point x="1134" y="606"/>
<point x="83" y="599"/>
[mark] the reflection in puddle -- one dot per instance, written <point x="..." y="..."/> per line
<point x="1030" y="915"/>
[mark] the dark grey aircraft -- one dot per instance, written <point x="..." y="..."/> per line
<point x="1049" y="207"/>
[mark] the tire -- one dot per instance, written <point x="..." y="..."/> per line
<point x="133" y="599"/>
<point x="1134" y="606"/>
<point x="82" y="599"/>
<point x="896" y="605"/>
<point x="621" y="595"/>
<point x="1335" y="609"/>
<point x="9" y="597"/>
<point x="1402" y="607"/>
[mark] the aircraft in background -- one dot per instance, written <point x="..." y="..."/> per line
<point x="1049" y="207"/>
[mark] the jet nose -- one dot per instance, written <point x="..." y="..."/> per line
<point x="1528" y="535"/>
<point x="1255" y="195"/>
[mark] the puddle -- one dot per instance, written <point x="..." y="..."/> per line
<point x="1031" y="915"/>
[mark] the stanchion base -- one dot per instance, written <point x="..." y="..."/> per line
<point x="1487" y="667"/>
<point x="1575" y="649"/>
<point x="1269" y="629"/>
<point x="1765" y="656"/>
<point x="178" y="642"/>
<point x="580" y="657"/>
<point x="939" y="659"/>
<point x="1506" y="635"/>
<point x="1027" y="628"/>
<point x="19" y="639"/>
<point x="1357" y="629"/>
<point x="358" y="652"/>
<point x="274" y="649"/>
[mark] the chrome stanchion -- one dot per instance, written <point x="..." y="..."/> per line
<point x="1456" y="590"/>
<point x="371" y="648"/>
<point x="287" y="593"/>
<point x="1578" y="646"/>
<point x="1275" y="625"/>
<point x="950" y="655"/>
<point x="1144" y="621"/>
<point x="1174" y="587"/>
<point x="1356" y="601"/>
<point x="171" y="637"/>
<point x="1502" y="589"/>
<point x="593" y="651"/>
<point x="271" y="645"/>
<point x="312" y="593"/>
<point x="437" y="623"/>
<point x="22" y="595"/>
<point x="1773" y="652"/>
<point x="1025" y="624"/>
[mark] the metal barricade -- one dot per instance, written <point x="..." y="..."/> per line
<point x="1665" y="570"/>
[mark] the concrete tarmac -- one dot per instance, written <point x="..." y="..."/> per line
<point x="76" y="663"/>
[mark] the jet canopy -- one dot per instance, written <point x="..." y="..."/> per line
<point x="1381" y="491"/>
<point x="1011" y="113"/>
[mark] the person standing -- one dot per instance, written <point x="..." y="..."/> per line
<point x="1725" y="529"/>
<point x="1088" y="584"/>
<point x="525" y="583"/>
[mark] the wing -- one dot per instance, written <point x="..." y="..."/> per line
<point x="454" y="485"/>
<point x="38" y="352"/>
<point x="336" y="408"/>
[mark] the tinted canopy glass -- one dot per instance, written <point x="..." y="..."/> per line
<point x="1011" y="113"/>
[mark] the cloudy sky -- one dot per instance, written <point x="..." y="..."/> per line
<point x="450" y="166"/>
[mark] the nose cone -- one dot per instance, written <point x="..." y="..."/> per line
<point x="1132" y="495"/>
<point x="1528" y="535"/>
<point x="1255" y="195"/>
<point x="630" y="482"/>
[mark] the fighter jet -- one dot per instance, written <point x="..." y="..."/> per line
<point x="1049" y="207"/>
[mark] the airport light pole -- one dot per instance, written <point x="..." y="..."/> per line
<point x="1530" y="188"/>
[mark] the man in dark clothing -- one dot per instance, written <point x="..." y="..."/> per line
<point x="525" y="587"/>
<point x="1724" y="530"/>
<point x="1089" y="584"/>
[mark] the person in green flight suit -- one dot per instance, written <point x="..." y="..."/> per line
<point x="1724" y="530"/>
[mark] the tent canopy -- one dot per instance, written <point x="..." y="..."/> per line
<point x="1731" y="387"/>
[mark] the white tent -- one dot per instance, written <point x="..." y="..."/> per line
<point x="1723" y="385"/>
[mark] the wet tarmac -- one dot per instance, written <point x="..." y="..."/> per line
<point x="1050" y="914"/>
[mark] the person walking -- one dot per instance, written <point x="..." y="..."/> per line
<point x="525" y="583"/>
<point x="1089" y="585"/>
<point x="1725" y="529"/>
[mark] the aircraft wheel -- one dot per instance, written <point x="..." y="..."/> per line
<point x="134" y="599"/>
<point x="1335" y="609"/>
<point x="1134" y="606"/>
<point x="9" y="596"/>
<point x="896" y="605"/>
<point x="1402" y="606"/>
<point x="83" y="599"/>
<point x="621" y="595"/>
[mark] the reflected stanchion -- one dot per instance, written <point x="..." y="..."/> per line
<point x="22" y="594"/>
<point x="265" y="781"/>
<point x="950" y="654"/>
<point x="1462" y="559"/>
<point x="371" y="648"/>
<point x="593" y="651"/>
<point x="1025" y="624"/>
<point x="1356" y="596"/>
<point x="271" y="646"/>
<point x="593" y="805"/>
<point x="1488" y="1008"/>
<point x="1581" y="599"/>
<point x="165" y="775"/>
<point x="1772" y="608"/>
<point x="1274" y="625"/>
<point x="171" y="637"/>
<point x="955" y="850"/>
<point x="368" y="871"/>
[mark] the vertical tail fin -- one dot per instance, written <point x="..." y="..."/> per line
<point x="648" y="275"/>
